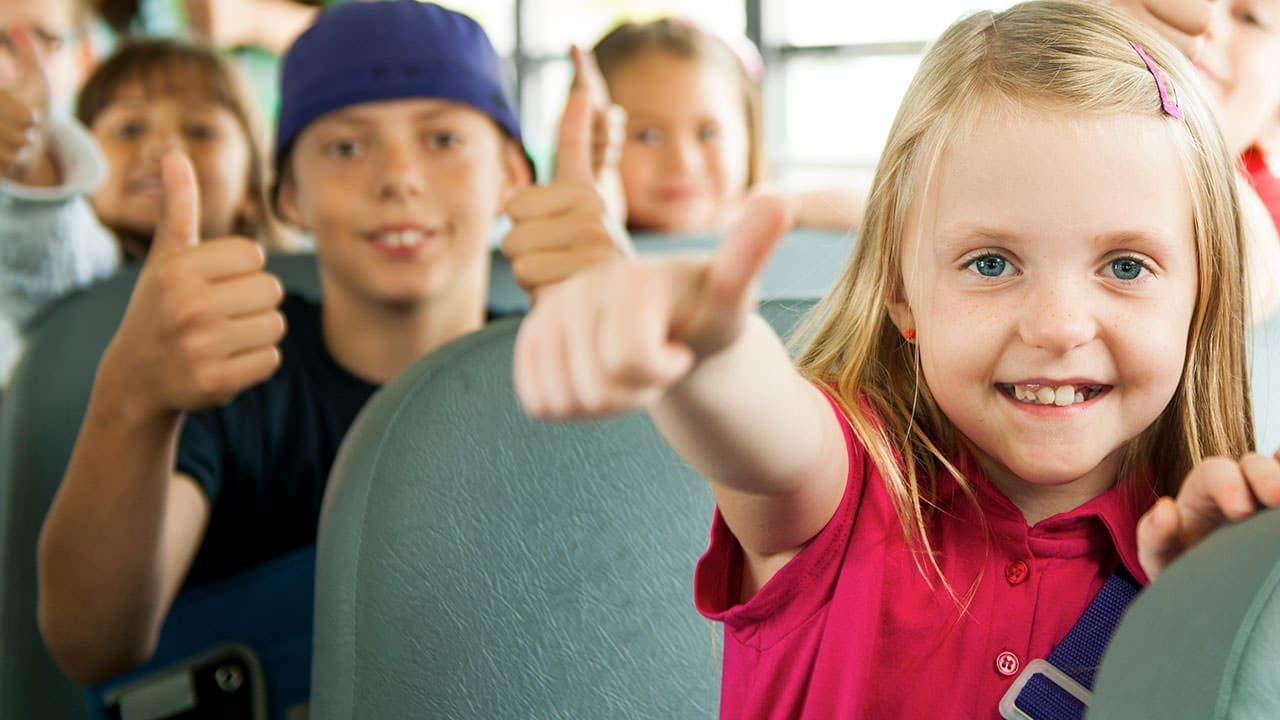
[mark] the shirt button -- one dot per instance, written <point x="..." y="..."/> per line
<point x="1016" y="572"/>
<point x="1007" y="664"/>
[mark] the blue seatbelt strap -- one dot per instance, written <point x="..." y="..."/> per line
<point x="1060" y="686"/>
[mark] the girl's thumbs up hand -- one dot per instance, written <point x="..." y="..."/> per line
<point x="202" y="324"/>
<point x="24" y="112"/>
<point x="615" y="338"/>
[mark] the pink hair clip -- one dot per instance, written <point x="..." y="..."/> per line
<point x="1167" y="99"/>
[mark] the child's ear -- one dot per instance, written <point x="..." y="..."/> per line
<point x="287" y="203"/>
<point x="900" y="310"/>
<point x="517" y="171"/>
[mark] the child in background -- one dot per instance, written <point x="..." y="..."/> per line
<point x="1039" y="332"/>
<point x="154" y="95"/>
<point x="148" y="97"/>
<point x="1235" y="45"/>
<point x="1181" y="22"/>
<point x="1240" y="65"/>
<point x="50" y="241"/>
<point x="694" y="150"/>
<point x="211" y="431"/>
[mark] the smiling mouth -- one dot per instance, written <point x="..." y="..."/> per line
<point x="407" y="239"/>
<point x="1059" y="395"/>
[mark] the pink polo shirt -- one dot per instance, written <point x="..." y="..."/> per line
<point x="850" y="629"/>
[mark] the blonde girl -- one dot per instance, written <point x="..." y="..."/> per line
<point x="693" y="150"/>
<point x="1039" y="333"/>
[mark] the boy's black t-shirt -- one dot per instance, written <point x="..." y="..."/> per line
<point x="264" y="458"/>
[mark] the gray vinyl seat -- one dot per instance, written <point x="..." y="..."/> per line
<point x="474" y="563"/>
<point x="1203" y="642"/>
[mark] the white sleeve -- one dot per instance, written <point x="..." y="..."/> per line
<point x="51" y="241"/>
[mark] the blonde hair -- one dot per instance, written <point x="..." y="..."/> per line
<point x="1059" y="56"/>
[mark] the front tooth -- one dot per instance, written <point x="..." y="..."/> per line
<point x="1064" y="396"/>
<point x="1044" y="395"/>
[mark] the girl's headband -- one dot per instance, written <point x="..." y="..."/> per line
<point x="1168" y="100"/>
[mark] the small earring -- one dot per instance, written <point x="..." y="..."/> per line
<point x="910" y="334"/>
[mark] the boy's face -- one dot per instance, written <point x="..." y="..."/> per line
<point x="56" y="33"/>
<point x="400" y="197"/>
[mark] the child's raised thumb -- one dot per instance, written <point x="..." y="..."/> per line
<point x="577" y="127"/>
<point x="179" y="225"/>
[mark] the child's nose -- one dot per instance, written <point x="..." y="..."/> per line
<point x="399" y="176"/>
<point x="682" y="155"/>
<point x="161" y="140"/>
<point x="1056" y="317"/>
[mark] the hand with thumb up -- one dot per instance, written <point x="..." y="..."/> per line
<point x="575" y="221"/>
<point x="203" y="321"/>
<point x="25" y="155"/>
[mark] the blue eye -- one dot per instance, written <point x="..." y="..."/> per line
<point x="1126" y="268"/>
<point x="647" y="136"/>
<point x="990" y="266"/>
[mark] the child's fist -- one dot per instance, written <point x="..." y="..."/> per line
<point x="24" y="112"/>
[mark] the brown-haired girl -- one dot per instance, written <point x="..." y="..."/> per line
<point x="153" y="95"/>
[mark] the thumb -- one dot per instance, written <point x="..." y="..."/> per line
<point x="573" y="144"/>
<point x="1159" y="537"/>
<point x="33" y="77"/>
<point x="741" y="255"/>
<point x="179" y="225"/>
